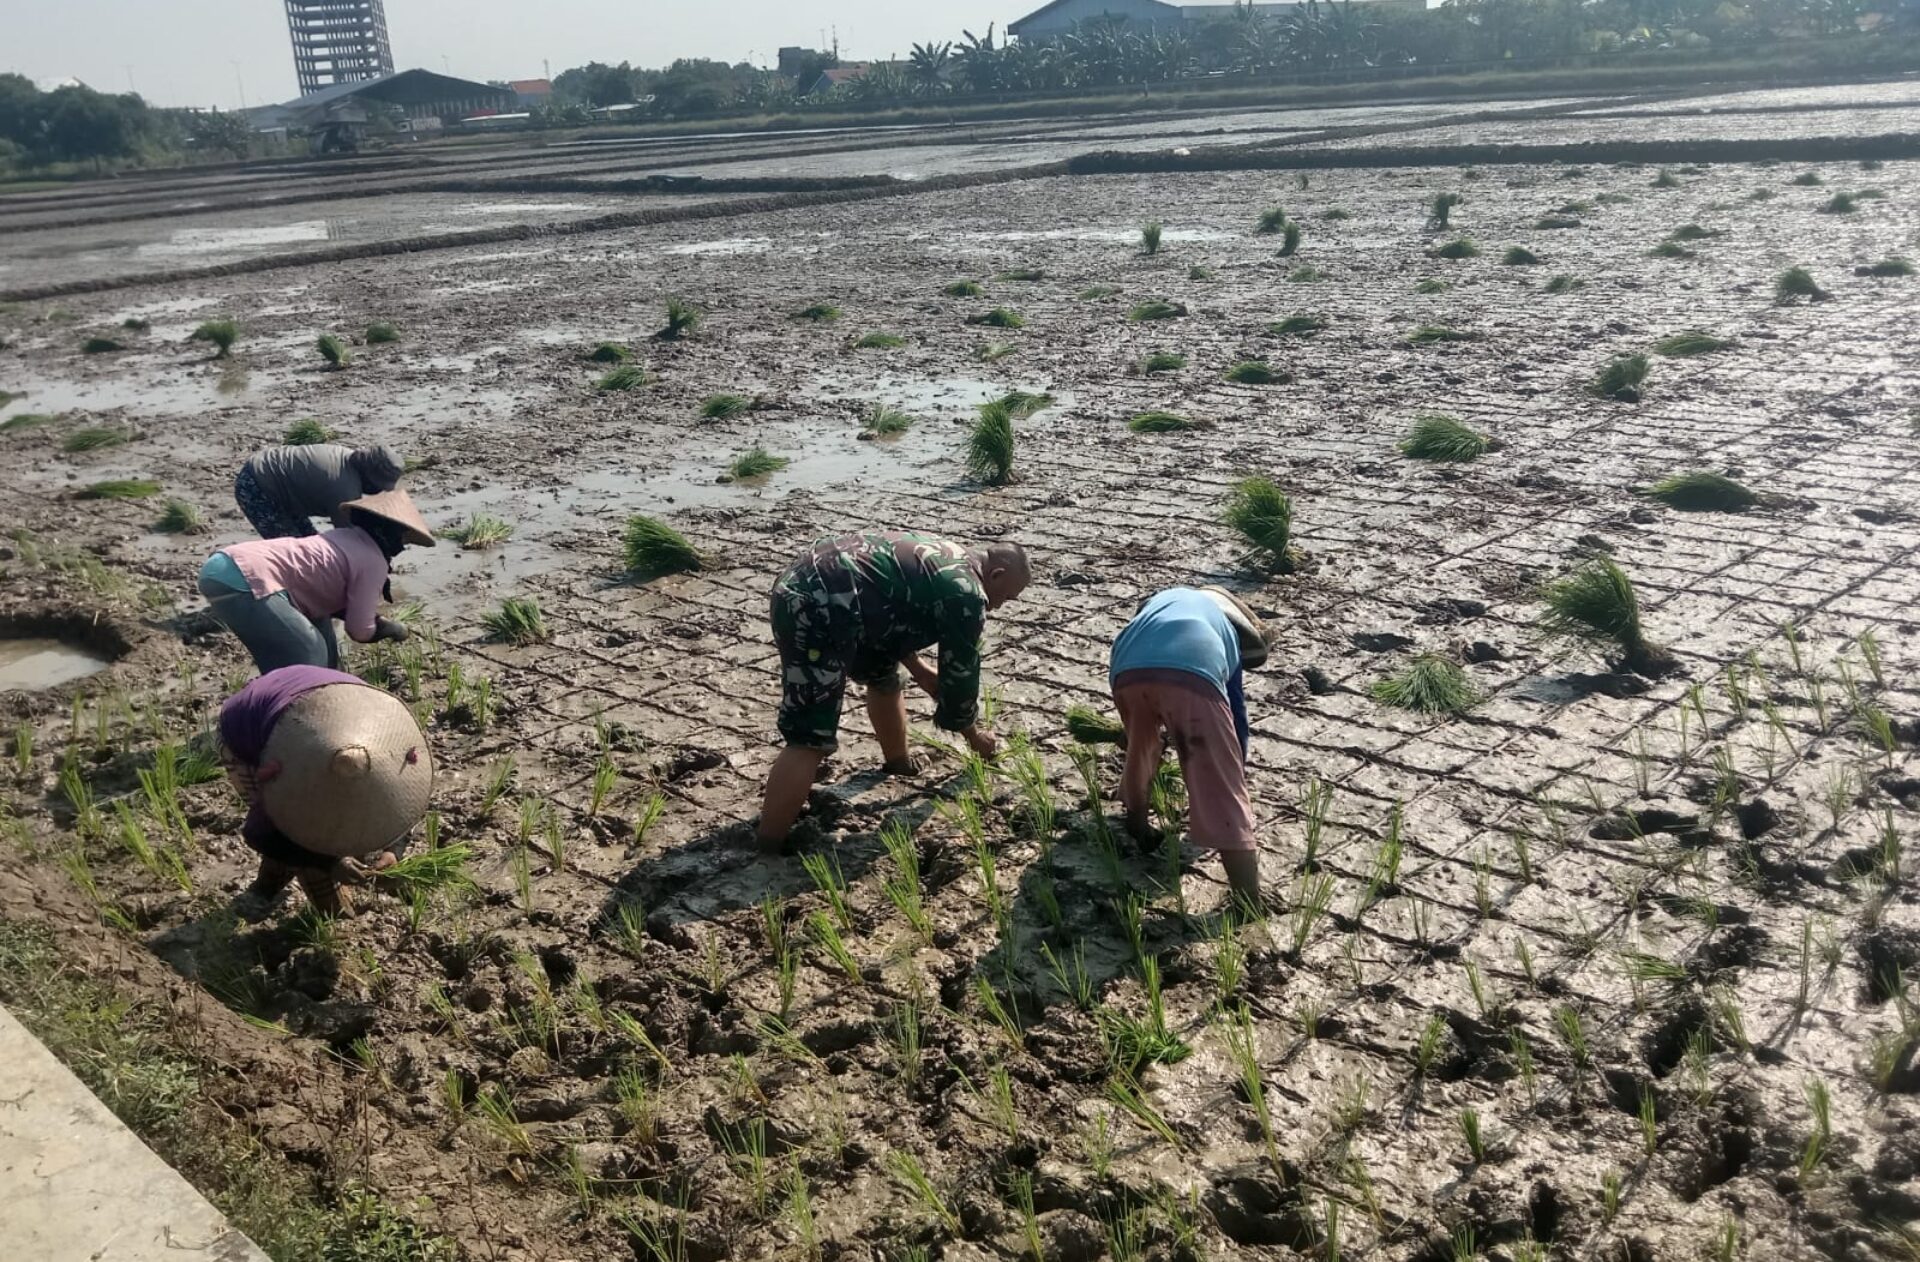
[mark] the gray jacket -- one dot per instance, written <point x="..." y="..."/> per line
<point x="314" y="480"/>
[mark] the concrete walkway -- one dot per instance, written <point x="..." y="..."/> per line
<point x="77" y="1186"/>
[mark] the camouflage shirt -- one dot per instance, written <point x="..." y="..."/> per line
<point x="903" y="592"/>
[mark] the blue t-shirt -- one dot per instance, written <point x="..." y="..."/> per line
<point x="1182" y="629"/>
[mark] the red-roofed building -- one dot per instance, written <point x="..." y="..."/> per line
<point x="532" y="91"/>
<point x="831" y="79"/>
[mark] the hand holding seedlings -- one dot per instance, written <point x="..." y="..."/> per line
<point x="1178" y="668"/>
<point x="857" y="607"/>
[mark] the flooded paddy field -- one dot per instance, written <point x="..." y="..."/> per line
<point x="1606" y="966"/>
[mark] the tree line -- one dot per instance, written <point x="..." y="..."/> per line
<point x="75" y="124"/>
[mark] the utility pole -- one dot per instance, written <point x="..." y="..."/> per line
<point x="239" y="82"/>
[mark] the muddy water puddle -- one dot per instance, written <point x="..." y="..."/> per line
<point x="36" y="664"/>
<point x="219" y="388"/>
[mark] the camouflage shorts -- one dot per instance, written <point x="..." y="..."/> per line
<point x="820" y="650"/>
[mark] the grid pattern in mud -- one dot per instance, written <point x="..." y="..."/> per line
<point x="1680" y="866"/>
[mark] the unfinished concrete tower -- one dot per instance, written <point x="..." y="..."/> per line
<point x="338" y="41"/>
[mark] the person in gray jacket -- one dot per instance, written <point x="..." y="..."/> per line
<point x="283" y="488"/>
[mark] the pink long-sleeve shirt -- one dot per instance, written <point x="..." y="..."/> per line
<point x="339" y="574"/>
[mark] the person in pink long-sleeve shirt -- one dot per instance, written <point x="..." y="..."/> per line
<point x="280" y="596"/>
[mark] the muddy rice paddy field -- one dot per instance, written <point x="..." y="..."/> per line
<point x="1605" y="967"/>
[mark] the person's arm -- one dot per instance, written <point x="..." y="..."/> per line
<point x="366" y="579"/>
<point x="959" y="679"/>
<point x="925" y="676"/>
<point x="1237" y="698"/>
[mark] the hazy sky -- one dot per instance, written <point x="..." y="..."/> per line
<point x="184" y="52"/>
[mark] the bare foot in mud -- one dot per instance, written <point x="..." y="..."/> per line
<point x="907" y="766"/>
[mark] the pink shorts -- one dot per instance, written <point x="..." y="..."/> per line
<point x="1199" y="724"/>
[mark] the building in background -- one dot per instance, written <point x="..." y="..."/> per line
<point x="1061" y="17"/>
<point x="338" y="41"/>
<point x="413" y="101"/>
<point x="533" y="93"/>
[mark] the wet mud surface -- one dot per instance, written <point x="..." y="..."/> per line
<point x="1626" y="924"/>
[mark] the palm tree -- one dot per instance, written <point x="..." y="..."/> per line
<point x="980" y="61"/>
<point x="928" y="65"/>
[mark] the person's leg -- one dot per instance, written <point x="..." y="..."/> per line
<point x="1140" y="717"/>
<point x="813" y="685"/>
<point x="887" y="710"/>
<point x="324" y="627"/>
<point x="1219" y="810"/>
<point x="275" y="633"/>
<point x="269" y="518"/>
<point x="787" y="787"/>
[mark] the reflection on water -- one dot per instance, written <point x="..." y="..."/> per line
<point x="192" y="241"/>
<point x="31" y="665"/>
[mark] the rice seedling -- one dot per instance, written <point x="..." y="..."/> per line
<point x="1005" y="1015"/>
<point x="963" y="289"/>
<point x="101" y="346"/>
<point x="1156" y="309"/>
<point x="1693" y="342"/>
<point x="990" y="444"/>
<point x="1290" y="240"/>
<point x="306" y="432"/>
<point x="1263" y="515"/>
<point x="119" y="489"/>
<point x="94" y="438"/>
<point x="879" y="342"/>
<point x="1886" y="267"/>
<point x="1459" y="248"/>
<point x="1573" y="1034"/>
<point x="1254" y="372"/>
<point x="1565" y="284"/>
<point x="1163" y="423"/>
<point x="497" y="1117"/>
<point x="1808" y="179"/>
<point x="1470" y="1132"/>
<point x="1161" y="361"/>
<point x="826" y="935"/>
<point x="1439" y="437"/>
<point x="1440" y="209"/>
<point x="1794" y="284"/>
<point x="27" y="420"/>
<point x="1596" y="601"/>
<point x="1431" y="684"/>
<point x="722" y="407"/>
<point x="333" y="350"/>
<point x="1519" y="256"/>
<point x="177" y="517"/>
<point x="1024" y="403"/>
<point x="1271" y="222"/>
<point x="682" y="320"/>
<point x="907" y="1169"/>
<point x="1336" y="213"/>
<point x="1427" y="334"/>
<point x="1563" y="221"/>
<point x="624" y="377"/>
<point x="1303" y="324"/>
<point x="1672" y="250"/>
<point x="517" y="621"/>
<point x="1093" y="727"/>
<point x="609" y="353"/>
<point x="1840" y="204"/>
<point x="652" y="547"/>
<point x="480" y="532"/>
<point x="1313" y="895"/>
<point x="1702" y="491"/>
<point x="1432" y="285"/>
<point x="1126" y="1092"/>
<point x="1150" y="238"/>
<point x="755" y="462"/>
<point x="220" y="334"/>
<point x="1666" y="179"/>
<point x="1820" y="1137"/>
<point x="999" y="318"/>
<point x="381" y="333"/>
<point x="431" y="870"/>
<point x="1622" y="378"/>
<point x="1094" y="293"/>
<point x="1028" y="274"/>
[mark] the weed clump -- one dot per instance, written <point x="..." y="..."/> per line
<point x="517" y="621"/>
<point x="1439" y="437"/>
<point x="1431" y="684"/>
<point x="1458" y="248"/>
<point x="1565" y="284"/>
<point x="818" y="313"/>
<point x="885" y="422"/>
<point x="1702" y="492"/>
<point x="120" y="489"/>
<point x="990" y="444"/>
<point x="222" y="334"/>
<point x="1163" y="423"/>
<point x="720" y="407"/>
<point x="1693" y="342"/>
<point x="480" y="532"/>
<point x="1519" y="256"/>
<point x="100" y="346"/>
<point x="963" y="289"/>
<point x="1432" y="285"/>
<point x="625" y="377"/>
<point x="1091" y="727"/>
<point x="609" y="353"/>
<point x="1271" y="222"/>
<point x="1429" y="333"/>
<point x="880" y="342"/>
<point x="380" y="333"/>
<point x="1162" y="361"/>
<point x="1302" y="325"/>
<point x="683" y="319"/>
<point x="1150" y="238"/>
<point x="755" y="462"/>
<point x="653" y="547"/>
<point x="1796" y="283"/>
<point x="1254" y="372"/>
<point x="1596" y="602"/>
<point x="1808" y="179"/>
<point x="1886" y="267"/>
<point x="177" y="517"/>
<point x="94" y="438"/>
<point x="306" y="432"/>
<point x="333" y="350"/>
<point x="999" y="318"/>
<point x="1263" y="515"/>
<point x="1622" y="378"/>
<point x="1157" y="309"/>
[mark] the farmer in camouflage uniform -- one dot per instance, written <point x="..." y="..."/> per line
<point x="860" y="607"/>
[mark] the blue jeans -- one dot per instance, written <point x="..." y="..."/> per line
<point x="274" y="631"/>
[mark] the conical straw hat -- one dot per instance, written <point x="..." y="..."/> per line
<point x="397" y="507"/>
<point x="355" y="772"/>
<point x="1254" y="636"/>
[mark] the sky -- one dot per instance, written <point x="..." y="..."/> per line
<point x="233" y="52"/>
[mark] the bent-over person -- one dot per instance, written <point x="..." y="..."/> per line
<point x="282" y="489"/>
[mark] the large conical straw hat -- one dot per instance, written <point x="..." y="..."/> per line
<point x="397" y="507"/>
<point x="1254" y="636"/>
<point x="354" y="774"/>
